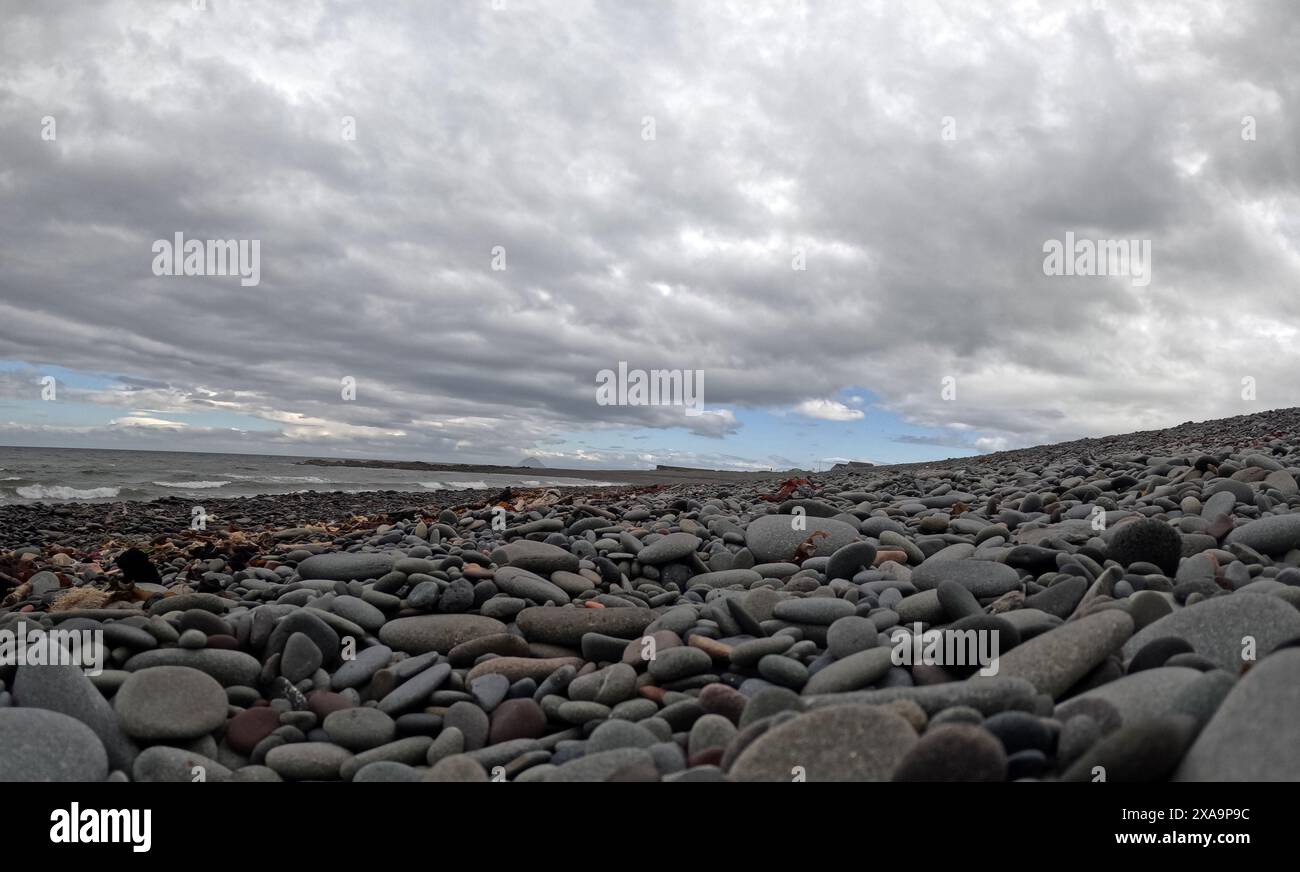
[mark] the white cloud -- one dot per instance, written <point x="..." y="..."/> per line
<point x="828" y="410"/>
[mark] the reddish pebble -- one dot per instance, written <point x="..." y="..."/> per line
<point x="326" y="702"/>
<point x="707" y="757"/>
<point x="719" y="699"/>
<point x="249" y="727"/>
<point x="650" y="691"/>
<point x="592" y="604"/>
<point x="516" y="719"/>
<point x="221" y="640"/>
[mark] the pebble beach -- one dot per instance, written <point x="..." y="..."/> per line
<point x="1141" y="592"/>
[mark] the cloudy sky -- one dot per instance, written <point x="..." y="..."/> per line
<point x="650" y="175"/>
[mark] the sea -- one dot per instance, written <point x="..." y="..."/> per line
<point x="62" y="475"/>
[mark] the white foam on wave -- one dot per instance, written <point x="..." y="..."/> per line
<point x="467" y="485"/>
<point x="278" y="479"/>
<point x="192" y="485"/>
<point x="60" y="492"/>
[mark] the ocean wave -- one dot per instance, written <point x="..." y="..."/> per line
<point x="455" y="485"/>
<point x="60" y="492"/>
<point x="278" y="479"/>
<point x="191" y="485"/>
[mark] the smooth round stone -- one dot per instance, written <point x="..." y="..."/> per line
<point x="582" y="712"/>
<point x="853" y="672"/>
<point x="957" y="601"/>
<point x="1142" y="751"/>
<point x="527" y="585"/>
<point x="424" y="596"/>
<point x="68" y="690"/>
<point x="610" y="735"/>
<point x="504" y="644"/>
<point x="567" y="626"/>
<point x="387" y="771"/>
<point x="193" y="640"/>
<point x="356" y="672"/>
<point x="410" y="750"/>
<point x="538" y="557"/>
<point x="710" y="731"/>
<point x="1157" y="652"/>
<point x="523" y="668"/>
<point x="1019" y="730"/>
<point x="344" y="566"/>
<point x="1061" y="598"/>
<point x="359" y="612"/>
<point x="516" y="719"/>
<point x="300" y="659"/>
<point x="725" y="578"/>
<point x="457" y="769"/>
<point x="983" y="578"/>
<point x="602" y="766"/>
<point x="170" y="702"/>
<point x="849" y="560"/>
<point x="813" y="610"/>
<point x="923" y="607"/>
<point x="608" y="686"/>
<point x="1272" y="535"/>
<point x="488" y="690"/>
<point x="472" y="722"/>
<point x="572" y="583"/>
<point x="41" y="745"/>
<point x="1216" y="627"/>
<point x="249" y="727"/>
<point x="323" y="703"/>
<point x="1251" y="736"/>
<point x="747" y="654"/>
<point x="308" y="761"/>
<point x="674" y="664"/>
<point x="164" y="764"/>
<point x="783" y="671"/>
<point x="360" y="729"/>
<point x="416" y="691"/>
<point x="448" y="742"/>
<point x="1055" y="660"/>
<point x="849" y="635"/>
<point x="674" y="546"/>
<point x="767" y="701"/>
<point x="230" y="668"/>
<point x="1140" y="696"/>
<point x="776" y="538"/>
<point x="423" y="633"/>
<point x="1146" y="540"/>
<point x="954" y="752"/>
<point x="836" y="743"/>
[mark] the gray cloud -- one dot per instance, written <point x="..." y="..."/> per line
<point x="777" y="127"/>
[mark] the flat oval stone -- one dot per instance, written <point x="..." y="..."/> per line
<point x="836" y="743"/>
<point x="1252" y="736"/>
<point x="423" y="633"/>
<point x="1216" y="627"/>
<point x="822" y="610"/>
<point x="40" y="745"/>
<point x="567" y="626"/>
<point x="983" y="578"/>
<point x="170" y="702"/>
<point x="674" y="546"/>
<point x="308" y="761"/>
<point x="776" y="538"/>
<point x="344" y="566"/>
<point x="536" y="557"/>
